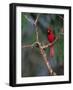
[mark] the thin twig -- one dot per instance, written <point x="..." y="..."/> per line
<point x="27" y="46"/>
<point x="61" y="17"/>
<point x="36" y="27"/>
<point x="37" y="37"/>
<point x="61" y="33"/>
<point x="32" y="22"/>
<point x="31" y="45"/>
<point x="36" y="19"/>
<point x="49" y="44"/>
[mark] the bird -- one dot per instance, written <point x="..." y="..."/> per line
<point x="51" y="38"/>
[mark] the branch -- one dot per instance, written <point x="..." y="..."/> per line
<point x="48" y="45"/>
<point x="35" y="44"/>
<point x="62" y="30"/>
<point x="36" y="27"/>
<point x="37" y="37"/>
<point x="27" y="46"/>
<point x="51" y="72"/>
<point x="61" y="17"/>
<point x="42" y="51"/>
<point x="61" y="33"/>
<point x="36" y="19"/>
<point x="32" y="22"/>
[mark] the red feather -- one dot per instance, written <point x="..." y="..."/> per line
<point x="51" y="38"/>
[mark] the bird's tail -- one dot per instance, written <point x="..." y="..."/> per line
<point x="52" y="52"/>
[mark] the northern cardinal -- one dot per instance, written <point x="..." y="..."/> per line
<point x="51" y="38"/>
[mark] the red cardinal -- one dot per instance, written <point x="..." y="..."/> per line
<point x="51" y="38"/>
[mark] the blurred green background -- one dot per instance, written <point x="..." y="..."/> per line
<point x="32" y="61"/>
